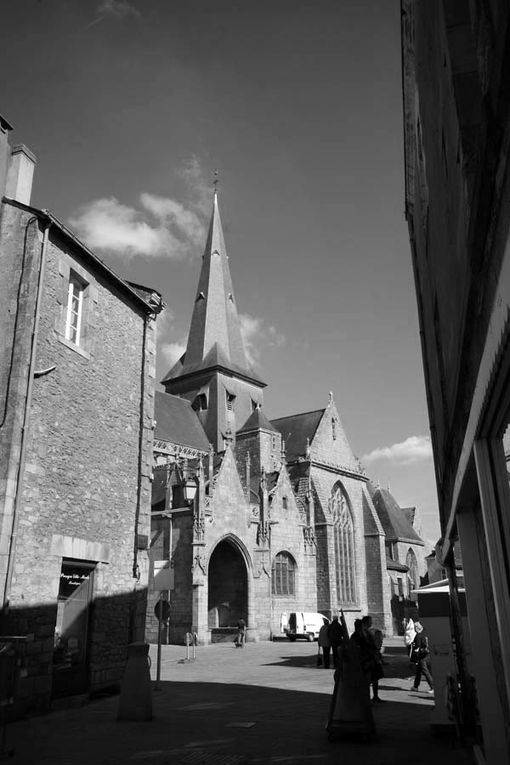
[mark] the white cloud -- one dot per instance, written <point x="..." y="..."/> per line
<point x="174" y="214"/>
<point x="257" y="336"/>
<point x="118" y="8"/>
<point x="172" y="352"/>
<point x="413" y="449"/>
<point x="158" y="227"/>
<point x="107" y="224"/>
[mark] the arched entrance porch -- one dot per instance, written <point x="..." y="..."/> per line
<point x="227" y="590"/>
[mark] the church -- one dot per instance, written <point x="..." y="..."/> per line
<point x="253" y="518"/>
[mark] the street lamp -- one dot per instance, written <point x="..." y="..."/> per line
<point x="190" y="489"/>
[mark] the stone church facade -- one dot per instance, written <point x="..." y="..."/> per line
<point x="282" y="519"/>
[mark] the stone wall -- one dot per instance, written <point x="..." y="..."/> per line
<point x="86" y="480"/>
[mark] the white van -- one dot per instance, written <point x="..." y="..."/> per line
<point x="306" y="625"/>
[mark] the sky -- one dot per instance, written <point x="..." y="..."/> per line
<point x="132" y="105"/>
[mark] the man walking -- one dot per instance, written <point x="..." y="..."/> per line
<point x="335" y="635"/>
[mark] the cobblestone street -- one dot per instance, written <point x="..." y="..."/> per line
<point x="267" y="703"/>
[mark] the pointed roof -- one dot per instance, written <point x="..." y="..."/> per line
<point x="393" y="519"/>
<point x="296" y="429"/>
<point x="215" y="332"/>
<point x="257" y="421"/>
<point x="177" y="423"/>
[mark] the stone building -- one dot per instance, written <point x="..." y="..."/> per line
<point x="283" y="518"/>
<point x="456" y="84"/>
<point x="406" y="564"/>
<point x="77" y="359"/>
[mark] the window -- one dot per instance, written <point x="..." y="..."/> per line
<point x="199" y="403"/>
<point x="230" y="401"/>
<point x="390" y="550"/>
<point x="283" y="574"/>
<point x="333" y="428"/>
<point x="285" y="503"/>
<point x="343" y="537"/>
<point x="254" y="405"/>
<point x="74" y="315"/>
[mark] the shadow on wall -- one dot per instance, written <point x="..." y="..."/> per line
<point x="62" y="650"/>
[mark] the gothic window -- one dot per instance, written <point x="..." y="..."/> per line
<point x="74" y="313"/>
<point x="412" y="565"/>
<point x="333" y="428"/>
<point x="343" y="537"/>
<point x="283" y="574"/>
<point x="230" y="398"/>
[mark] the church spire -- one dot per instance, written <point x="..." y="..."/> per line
<point x="215" y="319"/>
<point x="214" y="373"/>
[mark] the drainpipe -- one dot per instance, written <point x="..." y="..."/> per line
<point x="26" y="419"/>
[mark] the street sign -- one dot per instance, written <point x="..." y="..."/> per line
<point x="162" y="610"/>
<point x="163" y="575"/>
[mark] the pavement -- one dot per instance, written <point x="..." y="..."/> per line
<point x="265" y="703"/>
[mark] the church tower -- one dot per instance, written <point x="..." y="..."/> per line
<point x="214" y="373"/>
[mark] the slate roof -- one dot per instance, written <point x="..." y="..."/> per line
<point x="216" y="357"/>
<point x="394" y="565"/>
<point x="177" y="422"/>
<point x="257" y="421"/>
<point x="393" y="519"/>
<point x="296" y="428"/>
<point x="409" y="513"/>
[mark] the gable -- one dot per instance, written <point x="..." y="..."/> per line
<point x="330" y="443"/>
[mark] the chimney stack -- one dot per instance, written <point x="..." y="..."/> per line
<point x="20" y="174"/>
<point x="5" y="152"/>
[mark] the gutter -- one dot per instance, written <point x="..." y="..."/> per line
<point x="26" y="417"/>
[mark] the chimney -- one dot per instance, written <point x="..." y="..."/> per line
<point x="20" y="174"/>
<point x="5" y="152"/>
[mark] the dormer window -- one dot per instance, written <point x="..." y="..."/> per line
<point x="199" y="403"/>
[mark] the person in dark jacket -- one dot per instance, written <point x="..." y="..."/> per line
<point x="335" y="635"/>
<point x="420" y="656"/>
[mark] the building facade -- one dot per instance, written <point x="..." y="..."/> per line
<point x="283" y="518"/>
<point x="77" y="360"/>
<point x="457" y="135"/>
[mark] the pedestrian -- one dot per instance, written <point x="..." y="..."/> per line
<point x="324" y="643"/>
<point x="241" y="633"/>
<point x="336" y="637"/>
<point x="372" y="644"/>
<point x="420" y="654"/>
<point x="409" y="634"/>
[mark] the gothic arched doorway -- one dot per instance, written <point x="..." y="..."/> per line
<point x="228" y="587"/>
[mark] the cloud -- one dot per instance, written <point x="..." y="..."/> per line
<point x="106" y="224"/>
<point x="157" y="227"/>
<point x="118" y="8"/>
<point x="413" y="449"/>
<point x="172" y="352"/>
<point x="257" y="336"/>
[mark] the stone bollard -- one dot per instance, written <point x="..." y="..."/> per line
<point x="135" y="701"/>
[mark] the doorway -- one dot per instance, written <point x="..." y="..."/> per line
<point x="70" y="669"/>
<point x="228" y="587"/>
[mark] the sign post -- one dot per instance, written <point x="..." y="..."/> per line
<point x="162" y="611"/>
